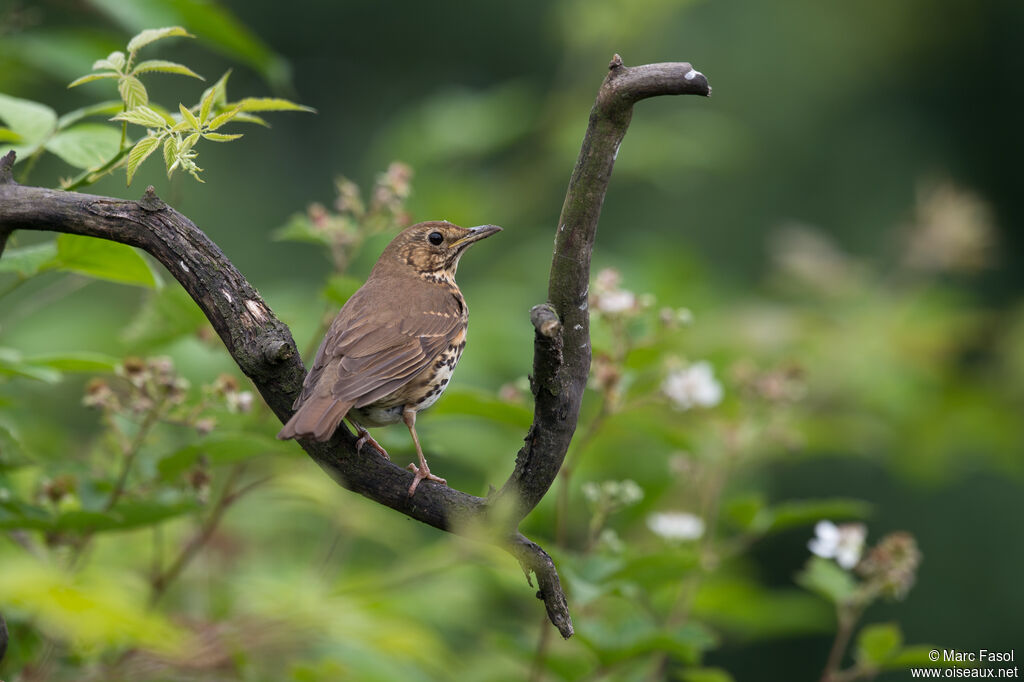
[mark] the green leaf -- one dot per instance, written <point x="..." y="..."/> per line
<point x="105" y="109"/>
<point x="223" y="118"/>
<point x="218" y="92"/>
<point x="151" y="35"/>
<point x="104" y="260"/>
<point x="652" y="570"/>
<point x="205" y="105"/>
<point x="877" y="644"/>
<point x="13" y="365"/>
<point x="169" y="314"/>
<point x="631" y="640"/>
<point x="826" y="578"/>
<point x="29" y="260"/>
<point x="142" y="149"/>
<point x="806" y="512"/>
<point x="170" y="151"/>
<point x="114" y="61"/>
<point x="75" y="362"/>
<point x="250" y="118"/>
<point x="89" y="78"/>
<point x="339" y="288"/>
<point x="300" y="229"/>
<point x="476" y="403"/>
<point x="86" y="145"/>
<point x="219" y="137"/>
<point x="748" y="609"/>
<point x="125" y="516"/>
<point x="133" y="92"/>
<point x="31" y="121"/>
<point x="164" y="66"/>
<point x="143" y="116"/>
<point x="8" y="135"/>
<point x="16" y="515"/>
<point x="270" y="104"/>
<point x="219" y="448"/>
<point x="190" y="118"/>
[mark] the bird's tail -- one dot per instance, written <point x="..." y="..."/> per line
<point x="316" y="418"/>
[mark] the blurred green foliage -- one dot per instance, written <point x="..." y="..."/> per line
<point x="814" y="314"/>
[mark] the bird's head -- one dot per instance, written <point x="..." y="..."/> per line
<point x="433" y="249"/>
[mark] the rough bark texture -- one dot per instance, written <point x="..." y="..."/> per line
<point x="264" y="349"/>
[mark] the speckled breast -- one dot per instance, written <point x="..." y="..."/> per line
<point x="419" y="393"/>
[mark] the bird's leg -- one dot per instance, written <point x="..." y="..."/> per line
<point x="365" y="437"/>
<point x="422" y="471"/>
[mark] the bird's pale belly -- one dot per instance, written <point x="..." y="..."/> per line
<point x="419" y="393"/>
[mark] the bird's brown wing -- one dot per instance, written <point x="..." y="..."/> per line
<point x="380" y="339"/>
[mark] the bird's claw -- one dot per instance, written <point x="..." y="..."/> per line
<point x="365" y="438"/>
<point x="421" y="474"/>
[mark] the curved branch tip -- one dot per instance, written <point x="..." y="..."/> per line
<point x="6" y="166"/>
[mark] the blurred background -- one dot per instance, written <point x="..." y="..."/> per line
<point x="835" y="231"/>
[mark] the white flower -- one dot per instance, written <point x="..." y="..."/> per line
<point x="843" y="543"/>
<point x="693" y="386"/>
<point x="617" y="301"/>
<point x="676" y="525"/>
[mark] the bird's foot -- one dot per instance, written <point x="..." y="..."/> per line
<point x="366" y="438"/>
<point x="422" y="472"/>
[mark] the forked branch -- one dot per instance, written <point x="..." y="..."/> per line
<point x="264" y="349"/>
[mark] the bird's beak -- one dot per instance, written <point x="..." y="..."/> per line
<point x="475" y="234"/>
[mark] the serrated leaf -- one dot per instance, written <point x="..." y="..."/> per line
<point x="86" y="145"/>
<point x="89" y="78"/>
<point x="188" y="142"/>
<point x="32" y="121"/>
<point x="29" y="260"/>
<point x="223" y="118"/>
<point x="878" y="643"/>
<point x="243" y="117"/>
<point x="205" y="105"/>
<point x="114" y="61"/>
<point x="219" y="90"/>
<point x="270" y="104"/>
<point x="220" y="137"/>
<point x="170" y="151"/>
<point x="133" y="92"/>
<point x="104" y="260"/>
<point x="151" y="35"/>
<point x="189" y="117"/>
<point x="164" y="66"/>
<point x="143" y="116"/>
<point x="105" y="109"/>
<point x="142" y="149"/>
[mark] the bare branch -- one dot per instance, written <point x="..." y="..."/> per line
<point x="265" y="351"/>
<point x="561" y="363"/>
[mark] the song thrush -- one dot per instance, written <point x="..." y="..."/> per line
<point x="392" y="348"/>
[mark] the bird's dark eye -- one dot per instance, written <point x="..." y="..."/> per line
<point x="435" y="238"/>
